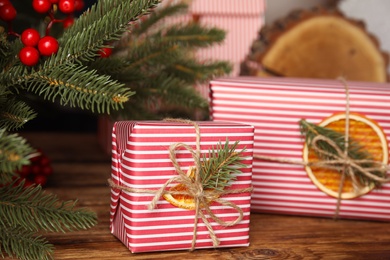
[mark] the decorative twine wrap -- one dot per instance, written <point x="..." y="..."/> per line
<point x="202" y="198"/>
<point x="348" y="165"/>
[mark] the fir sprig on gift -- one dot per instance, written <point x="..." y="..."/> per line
<point x="221" y="166"/>
<point x="356" y="152"/>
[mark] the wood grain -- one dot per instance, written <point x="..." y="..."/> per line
<point x="81" y="169"/>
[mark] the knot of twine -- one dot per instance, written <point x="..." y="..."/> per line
<point x="341" y="160"/>
<point x="194" y="188"/>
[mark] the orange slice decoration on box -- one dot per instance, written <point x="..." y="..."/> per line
<point x="362" y="130"/>
<point x="181" y="200"/>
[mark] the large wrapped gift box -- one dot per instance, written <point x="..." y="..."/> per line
<point x="274" y="106"/>
<point x="141" y="161"/>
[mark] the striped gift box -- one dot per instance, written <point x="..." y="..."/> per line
<point x="274" y="107"/>
<point x="140" y="160"/>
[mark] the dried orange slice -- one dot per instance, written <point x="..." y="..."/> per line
<point x="185" y="201"/>
<point x="179" y="200"/>
<point x="368" y="134"/>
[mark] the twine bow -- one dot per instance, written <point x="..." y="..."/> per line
<point x="202" y="198"/>
<point x="341" y="160"/>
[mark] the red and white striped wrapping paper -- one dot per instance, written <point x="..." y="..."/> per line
<point x="274" y="106"/>
<point x="140" y="159"/>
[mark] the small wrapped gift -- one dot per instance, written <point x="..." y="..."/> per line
<point x="321" y="146"/>
<point x="181" y="185"/>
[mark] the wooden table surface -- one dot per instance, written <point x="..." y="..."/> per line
<point x="81" y="170"/>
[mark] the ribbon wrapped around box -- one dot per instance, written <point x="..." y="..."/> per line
<point x="288" y="177"/>
<point x="158" y="202"/>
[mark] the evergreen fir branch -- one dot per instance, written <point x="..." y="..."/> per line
<point x="14" y="114"/>
<point x="193" y="35"/>
<point x="193" y="71"/>
<point x="152" y="54"/>
<point x="5" y="50"/>
<point x="23" y="244"/>
<point x="14" y="152"/>
<point x="159" y="16"/>
<point x="33" y="209"/>
<point x="68" y="84"/>
<point x="113" y="66"/>
<point x="176" y="92"/>
<point x="355" y="150"/>
<point x="106" y="21"/>
<point x="221" y="166"/>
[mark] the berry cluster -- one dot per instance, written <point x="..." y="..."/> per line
<point x="34" y="45"/>
<point x="38" y="171"/>
<point x="29" y="55"/>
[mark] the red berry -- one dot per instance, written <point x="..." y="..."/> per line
<point x="36" y="169"/>
<point x="44" y="161"/>
<point x="30" y="37"/>
<point x="47" y="170"/>
<point x="40" y="180"/>
<point x="24" y="171"/>
<point x="78" y="5"/>
<point x="68" y="21"/>
<point x="105" y="52"/>
<point x="41" y="6"/>
<point x="47" y="45"/>
<point x="4" y="2"/>
<point x="7" y="12"/>
<point x="66" y="6"/>
<point x="29" y="56"/>
<point x="28" y="183"/>
<point x="54" y="1"/>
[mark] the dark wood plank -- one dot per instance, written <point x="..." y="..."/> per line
<point x="81" y="169"/>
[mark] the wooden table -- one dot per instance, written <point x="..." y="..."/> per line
<point x="81" y="170"/>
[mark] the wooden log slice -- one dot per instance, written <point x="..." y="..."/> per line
<point x="318" y="43"/>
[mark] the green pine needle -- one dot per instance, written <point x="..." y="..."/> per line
<point x="14" y="152"/>
<point x="23" y="244"/>
<point x="355" y="150"/>
<point x="14" y="114"/>
<point x="221" y="166"/>
<point x="34" y="209"/>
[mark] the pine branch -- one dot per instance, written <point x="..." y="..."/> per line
<point x="14" y="152"/>
<point x="68" y="84"/>
<point x="192" y="71"/>
<point x="106" y="21"/>
<point x="193" y="35"/>
<point x="174" y="91"/>
<point x="33" y="209"/>
<point x="5" y="50"/>
<point x="355" y="150"/>
<point x="221" y="166"/>
<point x="23" y="244"/>
<point x="158" y="16"/>
<point x="14" y="114"/>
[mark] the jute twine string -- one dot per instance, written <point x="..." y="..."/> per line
<point x="341" y="160"/>
<point x="202" y="198"/>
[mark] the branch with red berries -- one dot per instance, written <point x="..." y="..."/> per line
<point x="34" y="44"/>
<point x="38" y="61"/>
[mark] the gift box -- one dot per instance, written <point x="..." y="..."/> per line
<point x="142" y="164"/>
<point x="283" y="181"/>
